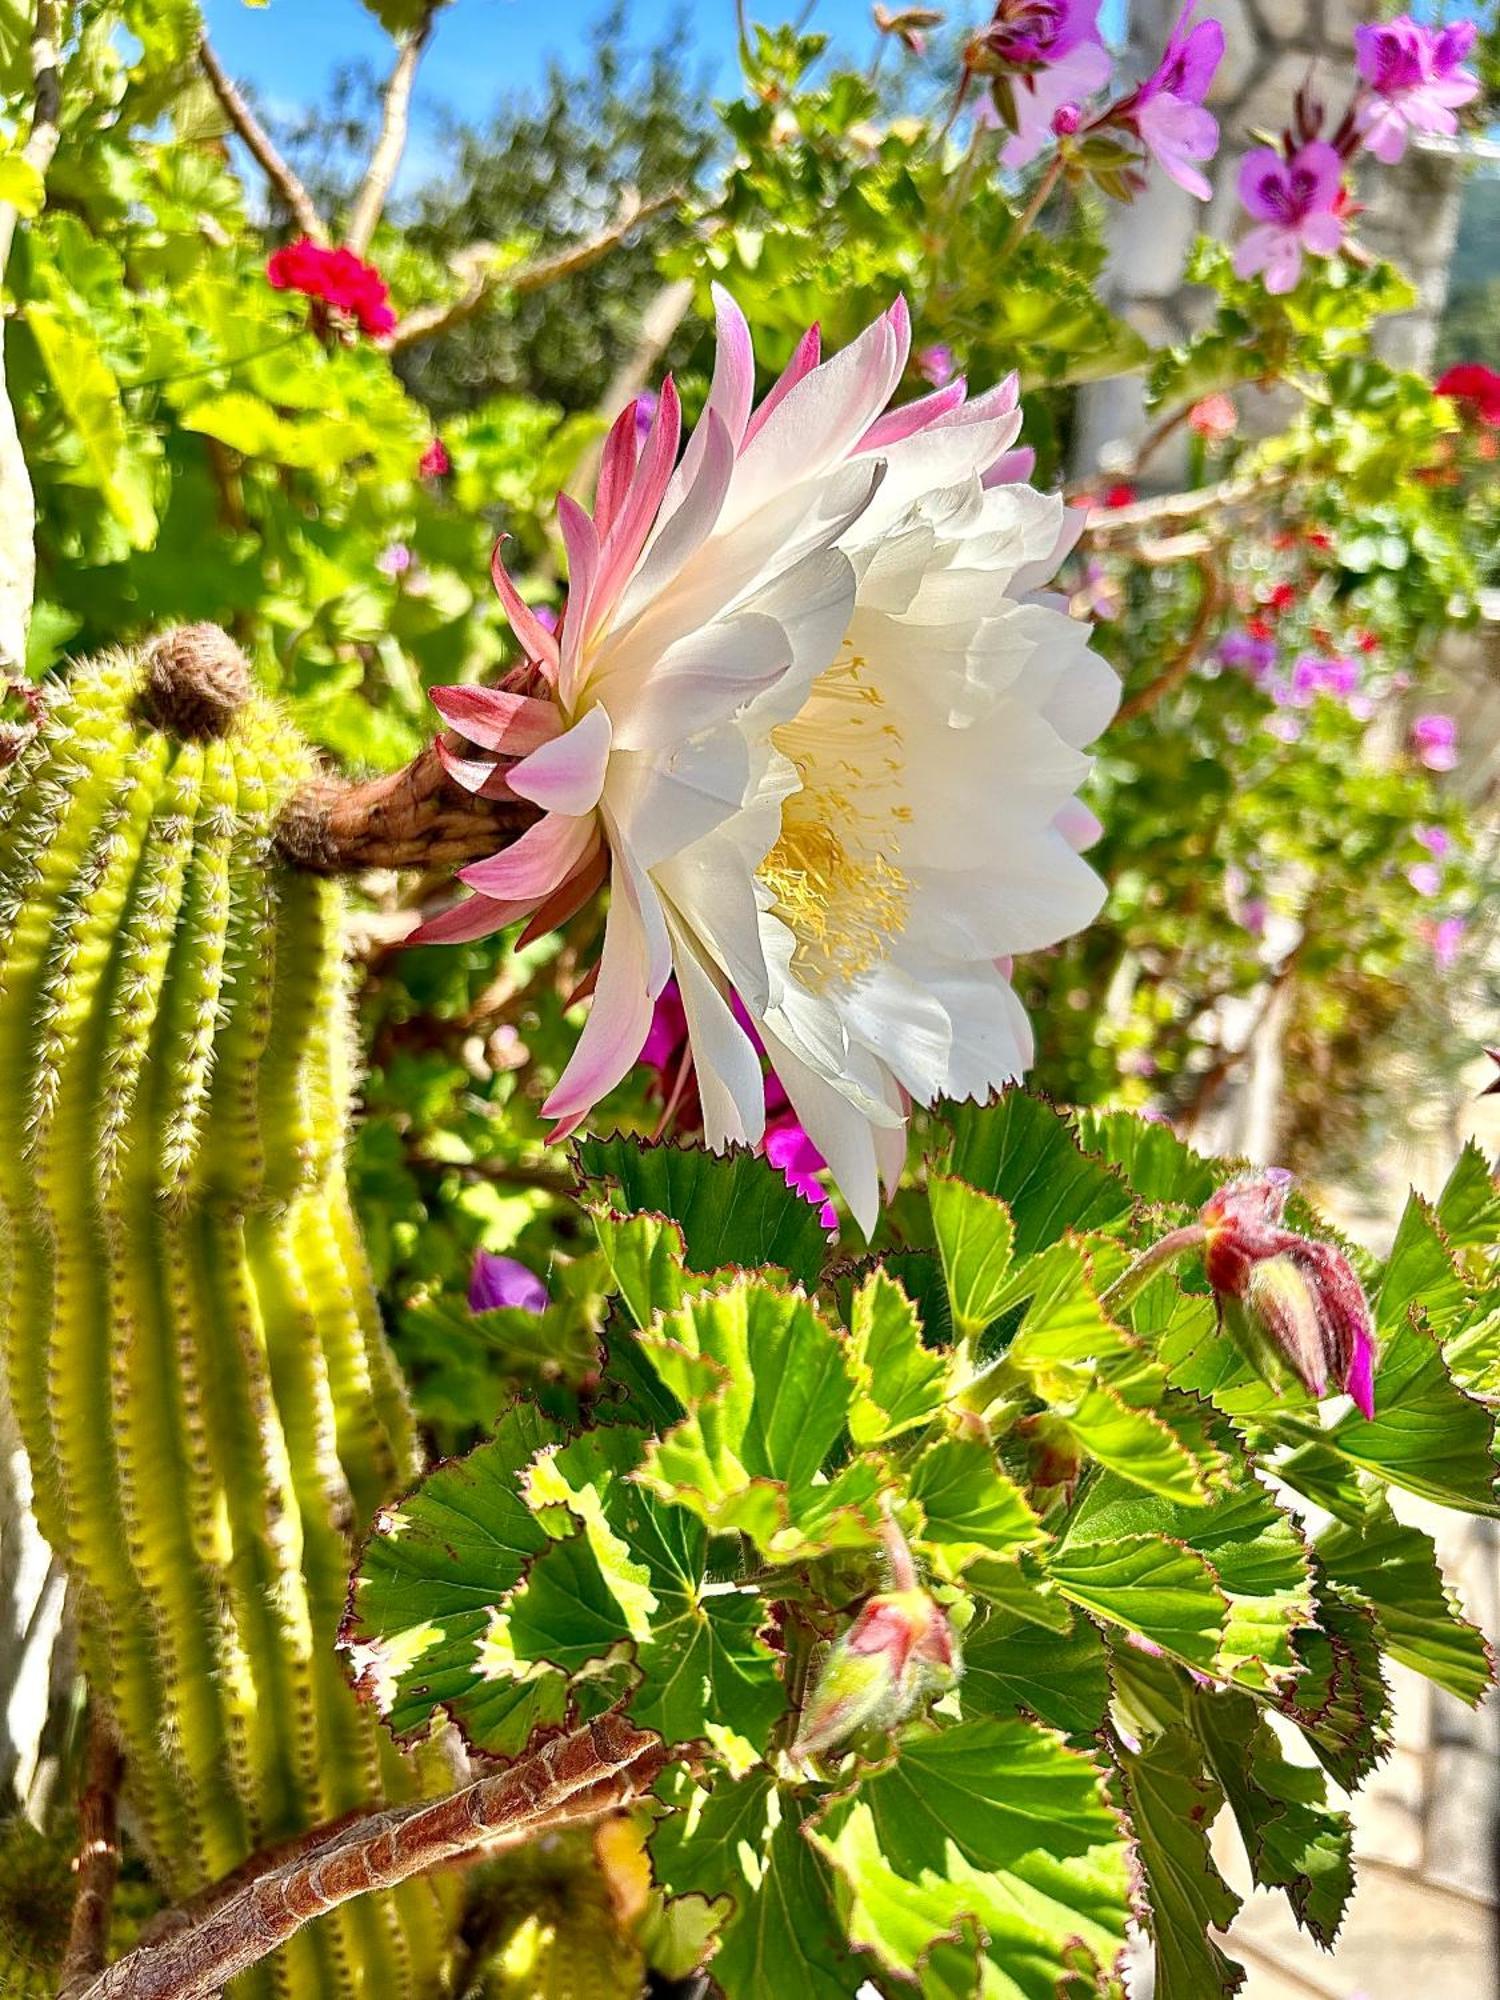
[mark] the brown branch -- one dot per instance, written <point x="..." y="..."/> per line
<point x="98" y="1862"/>
<point x="1228" y="496"/>
<point x="416" y="817"/>
<point x="485" y="280"/>
<point x="1212" y="600"/>
<point x="395" y="122"/>
<point x="260" y="145"/>
<point x="570" y="1780"/>
<point x="46" y="117"/>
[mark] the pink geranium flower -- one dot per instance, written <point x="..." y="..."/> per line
<point x="1472" y="383"/>
<point x="1167" y="110"/>
<point x="1296" y="203"/>
<point x="1416" y="81"/>
<point x="334" y="278"/>
<point x="1435" y="740"/>
<point x="1052" y="55"/>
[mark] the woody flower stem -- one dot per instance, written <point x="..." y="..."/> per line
<point x="1174" y="1244"/>
<point x="1041" y="194"/>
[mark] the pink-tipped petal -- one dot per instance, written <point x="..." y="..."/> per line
<point x="616" y="468"/>
<point x="1011" y="468"/>
<point x="475" y="917"/>
<point x="536" y="641"/>
<point x="567" y="775"/>
<point x="566" y="902"/>
<point x="805" y="358"/>
<point x="496" y="719"/>
<point x="620" y="1018"/>
<point x="581" y="540"/>
<point x="485" y="777"/>
<point x="1360" y="1380"/>
<point x="913" y="417"/>
<point x="536" y="864"/>
<point x="622" y="546"/>
<point x="898" y="318"/>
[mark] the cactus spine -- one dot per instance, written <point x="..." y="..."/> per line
<point x="190" y="1341"/>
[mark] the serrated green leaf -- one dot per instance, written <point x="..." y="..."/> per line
<point x="434" y="1569"/>
<point x="1419" y="1271"/>
<point x="741" y="1847"/>
<point x="1172" y="1805"/>
<point x="1061" y="1678"/>
<point x="1157" y="1165"/>
<point x="974" y="1238"/>
<point x="733" y="1209"/>
<point x="1159" y="1588"/>
<point x="1468" y="1209"/>
<point x="1394" y="1568"/>
<point x="1294" y="1839"/>
<point x="1427" y="1436"/>
<point x="970" y="1506"/>
<point x="560" y="1344"/>
<point x="765" y="1384"/>
<point x="1024" y="1153"/>
<point x="899" y="1382"/>
<point x="992" y="1826"/>
<point x="646" y="1259"/>
<point x="1257" y="1556"/>
<point x="1341" y="1703"/>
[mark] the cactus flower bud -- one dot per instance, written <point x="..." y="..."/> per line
<point x="899" y="1649"/>
<point x="1300" y="1294"/>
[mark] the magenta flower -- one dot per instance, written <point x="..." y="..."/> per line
<point x="1436" y="839"/>
<point x="1250" y="653"/>
<point x="1296" y="203"/>
<point x="1053" y="58"/>
<point x="1446" y="936"/>
<point x="1425" y="877"/>
<point x="1167" y="110"/>
<point x="395" y="560"/>
<point x="936" y="364"/>
<point x="498" y="1282"/>
<point x="1435" y="740"/>
<point x="799" y="1163"/>
<point x="1416" y="80"/>
<point x="647" y="403"/>
<point x="435" y="462"/>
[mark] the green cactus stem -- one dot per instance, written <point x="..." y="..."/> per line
<point x="190" y="1341"/>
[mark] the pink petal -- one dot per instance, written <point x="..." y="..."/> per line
<point x="805" y="358"/>
<point x="581" y="540"/>
<point x="1011" y="468"/>
<point x="485" y="777"/>
<point x="498" y="720"/>
<point x="628" y="531"/>
<point x="474" y="917"/>
<point x="619" y="1020"/>
<point x="536" y="864"/>
<point x="567" y="775"/>
<point x="536" y="641"/>
<point x="616" y="468"/>
<point x="729" y="396"/>
<point x="912" y="417"/>
<point x="568" y="900"/>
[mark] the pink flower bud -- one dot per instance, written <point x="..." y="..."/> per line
<point x="1296" y="1293"/>
<point x="899" y="1649"/>
<point x="1066" y="120"/>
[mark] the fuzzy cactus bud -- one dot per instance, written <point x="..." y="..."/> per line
<point x="1299" y="1297"/>
<point x="900" y="1649"/>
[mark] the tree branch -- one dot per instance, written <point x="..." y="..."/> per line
<point x="46" y="117"/>
<point x="571" y="1779"/>
<point x="395" y="122"/>
<point x="98" y="1862"/>
<point x="1211" y="602"/>
<point x="485" y="280"/>
<point x="260" y="145"/>
<point x="1116" y="524"/>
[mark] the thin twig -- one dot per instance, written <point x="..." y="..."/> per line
<point x="1211" y="603"/>
<point x="98" y="1862"/>
<point x="46" y="117"/>
<point x="486" y="279"/>
<point x="1116" y="524"/>
<point x="570" y="1780"/>
<point x="1040" y="196"/>
<point x="395" y="122"/>
<point x="260" y="145"/>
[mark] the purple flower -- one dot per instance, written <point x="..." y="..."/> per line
<point x="501" y="1281"/>
<point x="1254" y="656"/>
<point x="645" y="414"/>
<point x="936" y="364"/>
<point x="395" y="560"/>
<point x="789" y="1149"/>
<point x="1052" y="56"/>
<point x="1415" y="78"/>
<point x="1425" y="877"/>
<point x="1436" y="839"/>
<point x="1341" y="677"/>
<point x="1297" y="204"/>
<point x="1435" y="740"/>
<point x="1445" y="936"/>
<point x="1167" y="110"/>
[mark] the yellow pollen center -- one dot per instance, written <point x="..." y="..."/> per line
<point x="834" y="873"/>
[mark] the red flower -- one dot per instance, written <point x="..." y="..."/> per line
<point x="1118" y="496"/>
<point x="1472" y="383"/>
<point x="336" y="278"/>
<point x="435" y="462"/>
<point x="1259" y="628"/>
<point x="1282" y="598"/>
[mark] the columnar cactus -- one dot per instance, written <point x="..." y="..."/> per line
<point x="190" y="1339"/>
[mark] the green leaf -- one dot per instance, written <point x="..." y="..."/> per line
<point x="1468" y="1209"/>
<point x="1294" y="1839"/>
<point x="1257" y="1555"/>
<point x="1420" y="1271"/>
<point x="21" y="186"/>
<point x="767" y="1392"/>
<point x="646" y="1258"/>
<point x="1172" y="1805"/>
<point x="1341" y="1703"/>
<point x="1427" y="1436"/>
<point x="974" y="1238"/>
<point x="899" y="1383"/>
<point x="560" y="1344"/>
<point x="970" y="1507"/>
<point x="1155" y="1162"/>
<point x="1024" y="1153"/>
<point x="733" y="1209"/>
<point x="1061" y="1678"/>
<point x="1150" y="1585"/>
<point x="996" y="1828"/>
<point x="434" y="1569"/>
<point x="90" y="395"/>
<point x="1394" y="1568"/>
<point x="741" y="1846"/>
